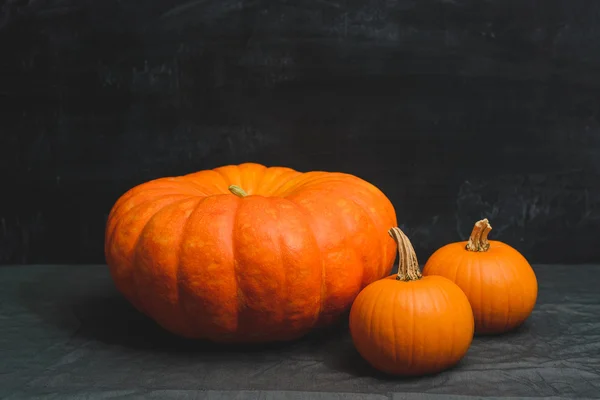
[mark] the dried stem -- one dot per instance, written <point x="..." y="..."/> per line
<point x="479" y="237"/>
<point x="408" y="270"/>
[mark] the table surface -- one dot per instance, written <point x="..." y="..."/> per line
<point x="65" y="333"/>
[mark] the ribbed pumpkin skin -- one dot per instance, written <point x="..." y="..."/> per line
<point x="412" y="328"/>
<point x="500" y="283"/>
<point x="291" y="256"/>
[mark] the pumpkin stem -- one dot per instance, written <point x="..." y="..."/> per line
<point x="238" y="191"/>
<point x="408" y="270"/>
<point x="479" y="237"/>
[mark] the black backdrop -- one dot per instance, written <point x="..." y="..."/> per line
<point x="456" y="109"/>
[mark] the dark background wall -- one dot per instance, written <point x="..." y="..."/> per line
<point x="456" y="109"/>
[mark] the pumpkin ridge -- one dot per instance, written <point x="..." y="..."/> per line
<point x="434" y="300"/>
<point x="323" y="267"/>
<point x="135" y="253"/>
<point x="457" y="268"/>
<point x="411" y="356"/>
<point x="193" y="181"/>
<point x="447" y="299"/>
<point x="118" y="206"/>
<point x="153" y="187"/>
<point x="142" y="189"/>
<point x="359" y="208"/>
<point x="337" y="177"/>
<point x="248" y="173"/>
<point x="202" y="283"/>
<point x="377" y="305"/>
<point x="320" y="266"/>
<point x="523" y="289"/>
<point x="372" y="333"/>
<point x="315" y="178"/>
<point x="259" y="180"/>
<point x="109" y="235"/>
<point x="210" y="176"/>
<point x="324" y="178"/>
<point x="395" y="314"/>
<point x="281" y="248"/>
<point x="296" y="183"/>
<point x="188" y="183"/>
<point x="474" y="275"/>
<point x="228" y="181"/>
<point x="183" y="237"/>
<point x="381" y="245"/>
<point x="286" y="284"/>
<point x="380" y="224"/>
<point x="323" y="297"/>
<point x="245" y="180"/>
<point x="280" y="172"/>
<point x="508" y="299"/>
<point x="120" y="201"/>
<point x="345" y="243"/>
<point x="240" y="303"/>
<point x="384" y="267"/>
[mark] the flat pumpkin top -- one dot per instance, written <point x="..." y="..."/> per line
<point x="253" y="179"/>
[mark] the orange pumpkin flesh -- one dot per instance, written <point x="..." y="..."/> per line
<point x="499" y="282"/>
<point x="248" y="253"/>
<point x="411" y="325"/>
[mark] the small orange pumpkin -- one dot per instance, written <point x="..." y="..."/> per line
<point x="408" y="324"/>
<point x="246" y="253"/>
<point x="499" y="282"/>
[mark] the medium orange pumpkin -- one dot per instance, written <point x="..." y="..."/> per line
<point x="248" y="253"/>
<point x="409" y="324"/>
<point x="499" y="282"/>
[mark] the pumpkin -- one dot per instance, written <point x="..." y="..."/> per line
<point x="248" y="253"/>
<point x="409" y="324"/>
<point x="497" y="279"/>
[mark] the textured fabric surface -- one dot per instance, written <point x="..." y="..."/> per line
<point x="65" y="333"/>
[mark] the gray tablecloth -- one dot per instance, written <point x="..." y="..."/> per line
<point x="65" y="333"/>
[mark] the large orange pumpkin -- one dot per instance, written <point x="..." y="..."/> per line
<point x="248" y="253"/>
<point x="499" y="282"/>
